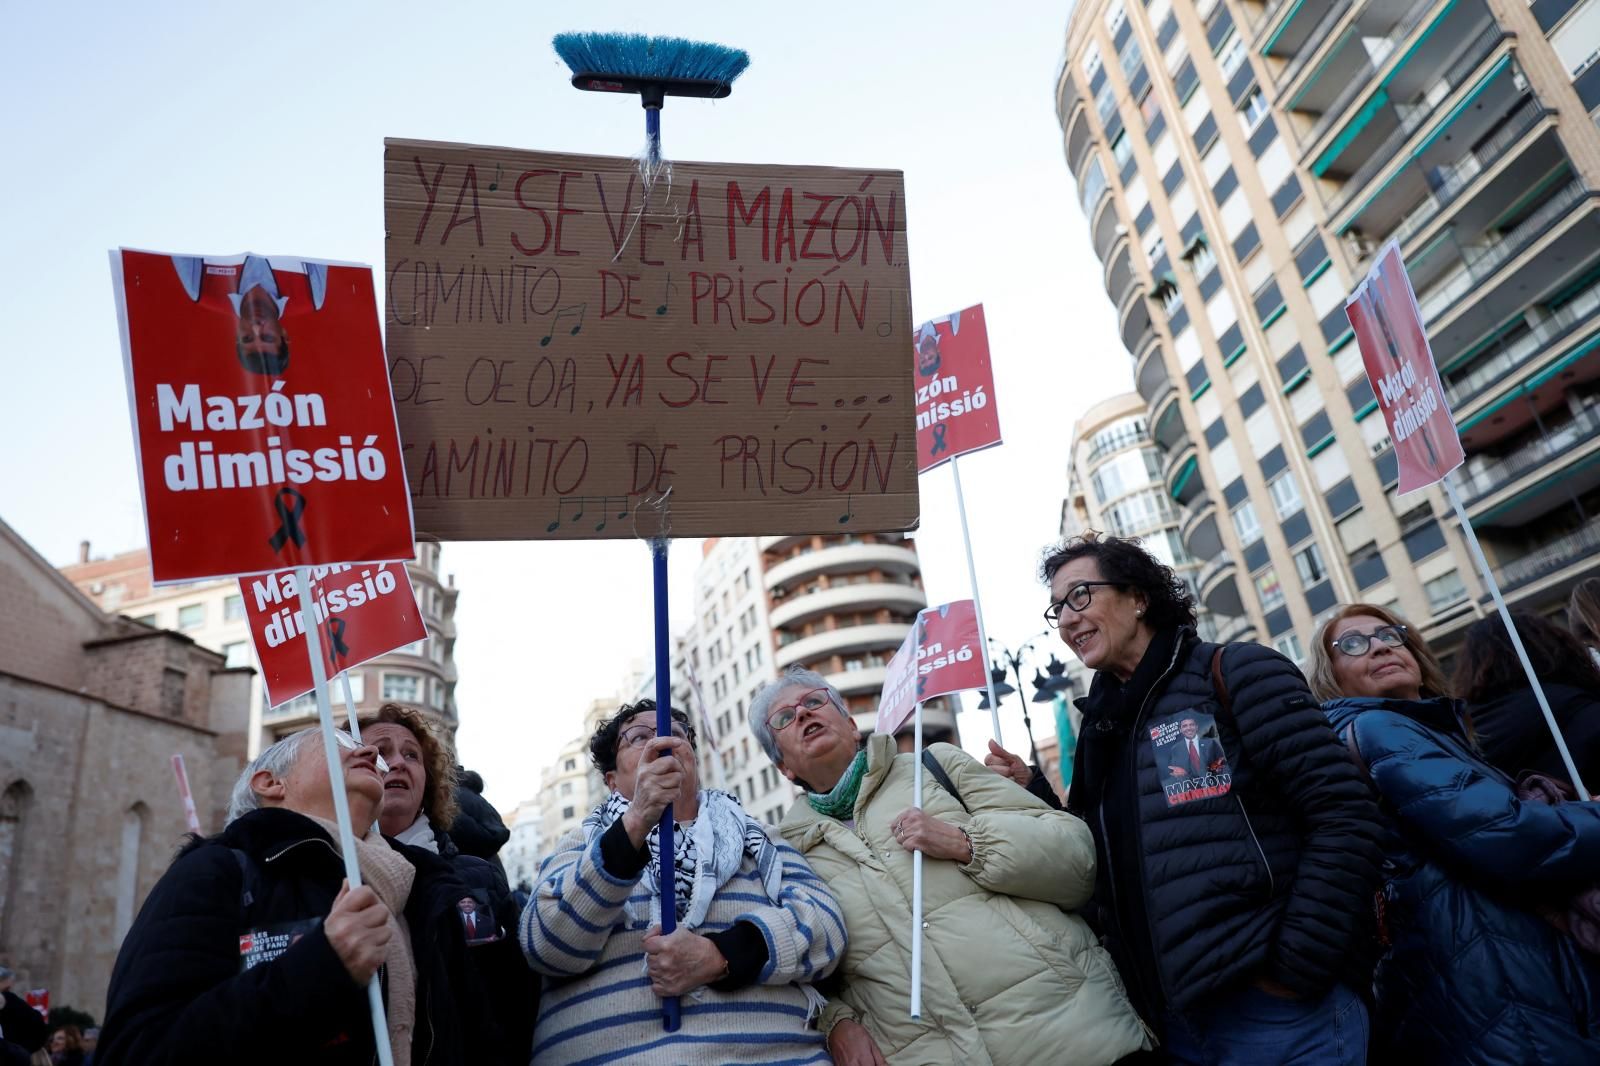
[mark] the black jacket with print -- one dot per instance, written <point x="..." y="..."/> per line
<point x="1262" y="867"/>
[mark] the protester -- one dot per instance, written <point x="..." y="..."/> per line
<point x="90" y="1041"/>
<point x="1510" y="727"/>
<point x="478" y="830"/>
<point x="1010" y="975"/>
<point x="66" y="1046"/>
<point x="22" y="1030"/>
<point x="250" y="950"/>
<point x="754" y="923"/>
<point x="1583" y="614"/>
<point x="1470" y="974"/>
<point x="421" y="809"/>
<point x="1236" y="845"/>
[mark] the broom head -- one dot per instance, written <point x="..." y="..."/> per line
<point x="651" y="66"/>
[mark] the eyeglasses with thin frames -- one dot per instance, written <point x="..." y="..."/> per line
<point x="640" y="735"/>
<point x="813" y="700"/>
<point x="1078" y="597"/>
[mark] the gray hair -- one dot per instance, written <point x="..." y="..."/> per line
<point x="761" y="704"/>
<point x="276" y="760"/>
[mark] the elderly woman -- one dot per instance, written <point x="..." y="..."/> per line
<point x="1237" y="847"/>
<point x="250" y="949"/>
<point x="755" y="925"/>
<point x="1010" y="975"/>
<point x="1470" y="973"/>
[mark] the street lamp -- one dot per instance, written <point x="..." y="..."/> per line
<point x="1045" y="688"/>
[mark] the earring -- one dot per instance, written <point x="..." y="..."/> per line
<point x="1138" y="612"/>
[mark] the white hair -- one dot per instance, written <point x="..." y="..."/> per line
<point x="276" y="760"/>
<point x="761" y="704"/>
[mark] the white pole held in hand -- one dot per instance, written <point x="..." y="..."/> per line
<point x="1516" y="639"/>
<point x="916" y="873"/>
<point x="341" y="802"/>
<point x="977" y="605"/>
<point x="350" y="705"/>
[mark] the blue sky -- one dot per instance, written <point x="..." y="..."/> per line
<point x="217" y="128"/>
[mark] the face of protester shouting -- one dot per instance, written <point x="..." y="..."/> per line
<point x="816" y="740"/>
<point x="653" y="772"/>
<point x="406" y="783"/>
<point x="1103" y="623"/>
<point x="303" y="788"/>
<point x="1370" y="658"/>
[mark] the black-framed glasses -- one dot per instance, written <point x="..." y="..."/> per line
<point x="783" y="717"/>
<point x="640" y="735"/>
<point x="1077" y="597"/>
<point x="1356" y="644"/>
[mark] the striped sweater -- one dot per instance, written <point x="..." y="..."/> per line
<point x="597" y="1006"/>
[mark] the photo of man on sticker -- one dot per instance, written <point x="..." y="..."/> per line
<point x="1194" y="762"/>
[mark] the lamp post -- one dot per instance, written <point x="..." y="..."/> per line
<point x="1045" y="688"/>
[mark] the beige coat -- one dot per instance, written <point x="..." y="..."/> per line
<point x="1009" y="975"/>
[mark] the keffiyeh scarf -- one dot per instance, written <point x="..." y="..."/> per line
<point x="706" y="853"/>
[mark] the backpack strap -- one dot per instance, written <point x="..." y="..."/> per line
<point x="250" y="880"/>
<point x="943" y="778"/>
<point x="1219" y="685"/>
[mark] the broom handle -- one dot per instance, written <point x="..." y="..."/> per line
<point x="652" y="133"/>
<point x="670" y="1016"/>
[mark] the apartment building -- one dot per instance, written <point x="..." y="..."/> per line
<point x="1240" y="163"/>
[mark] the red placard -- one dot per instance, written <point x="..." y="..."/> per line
<point x="1394" y="346"/>
<point x="362" y="611"/>
<point x="263" y="425"/>
<point x="940" y="655"/>
<point x="956" y="412"/>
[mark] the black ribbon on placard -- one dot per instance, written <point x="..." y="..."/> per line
<point x="290" y="505"/>
<point x="939" y="445"/>
<point x="337" y="646"/>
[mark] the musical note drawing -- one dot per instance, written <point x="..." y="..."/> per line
<point x="609" y="506"/>
<point x="666" y="295"/>
<point x="886" y="327"/>
<point x="849" y="513"/>
<point x="564" y="312"/>
<point x="495" y="184"/>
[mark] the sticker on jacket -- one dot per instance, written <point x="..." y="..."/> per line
<point x="477" y="922"/>
<point x="267" y="943"/>
<point x="1189" y="758"/>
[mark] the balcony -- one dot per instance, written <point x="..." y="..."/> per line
<point x="1199" y="532"/>
<point x="804" y="607"/>
<point x="1376" y="141"/>
<point x="1181" y="472"/>
<point x="1115" y="444"/>
<point x="1368" y="64"/>
<point x="937" y="716"/>
<point x="1136" y="326"/>
<point x="842" y="559"/>
<point x="1524" y="484"/>
<point x="1501" y="367"/>
<point x="847" y="640"/>
<point x="1219" y="586"/>
<point x="1106" y="226"/>
<point x="863" y="682"/>
<point x="1150" y="370"/>
<point x="783" y="543"/>
<point x="1079" y="139"/>
<point x="1120" y="278"/>
<point x="1166" y="418"/>
<point x="1565" y="559"/>
<point x="1311" y="48"/>
<point x="1237" y="629"/>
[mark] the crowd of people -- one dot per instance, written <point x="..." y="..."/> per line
<point x="1370" y="861"/>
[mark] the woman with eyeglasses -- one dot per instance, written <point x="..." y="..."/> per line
<point x="1470" y="973"/>
<point x="1237" y="848"/>
<point x="755" y="926"/>
<point x="1010" y="974"/>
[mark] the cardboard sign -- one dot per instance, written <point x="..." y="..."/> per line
<point x="263" y="427"/>
<point x="956" y="412"/>
<point x="569" y="346"/>
<point x="362" y="611"/>
<point x="940" y="655"/>
<point x="1394" y="346"/>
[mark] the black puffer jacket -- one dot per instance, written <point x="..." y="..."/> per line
<point x="1261" y="863"/>
<point x="1513" y="736"/>
<point x="179" y="994"/>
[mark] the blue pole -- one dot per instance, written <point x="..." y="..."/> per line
<point x="669" y="908"/>
<point x="652" y="133"/>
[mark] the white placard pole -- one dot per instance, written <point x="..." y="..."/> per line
<point x="341" y="802"/>
<point x="1516" y="639"/>
<point x="350" y="705"/>
<point x="977" y="609"/>
<point x="916" y="873"/>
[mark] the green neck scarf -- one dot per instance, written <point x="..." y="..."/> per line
<point x="841" y="801"/>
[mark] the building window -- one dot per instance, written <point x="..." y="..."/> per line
<point x="1269" y="588"/>
<point x="1289" y="645"/>
<point x="568" y="812"/>
<point x="358" y="687"/>
<point x="1105" y="102"/>
<point x="1171" y="299"/>
<point x="1129" y="56"/>
<point x="237" y="654"/>
<point x="1200" y="258"/>
<point x="192" y="616"/>
<point x="232" y="608"/>
<point x="406" y="688"/>
<point x="146" y="619"/>
<point x="1308" y="561"/>
<point x="436" y="694"/>
<point x="1122" y="149"/>
<point x="566" y="788"/>
<point x="570" y="765"/>
<point x="1245" y="523"/>
<point x="1232" y="56"/>
<point x="1253" y="110"/>
<point x="1116" y="15"/>
<point x="1285" y="496"/>
<point x="1091" y="63"/>
<point x="1445" y="590"/>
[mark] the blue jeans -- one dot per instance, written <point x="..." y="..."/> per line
<point x="1256" y="1028"/>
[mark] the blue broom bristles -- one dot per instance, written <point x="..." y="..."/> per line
<point x="636" y="55"/>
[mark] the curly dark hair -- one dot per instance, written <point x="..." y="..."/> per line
<point x="1488" y="665"/>
<point x="1168" y="602"/>
<point x="603" y="745"/>
<point x="438" y="759"/>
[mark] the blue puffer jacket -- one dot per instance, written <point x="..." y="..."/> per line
<point x="1471" y="975"/>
